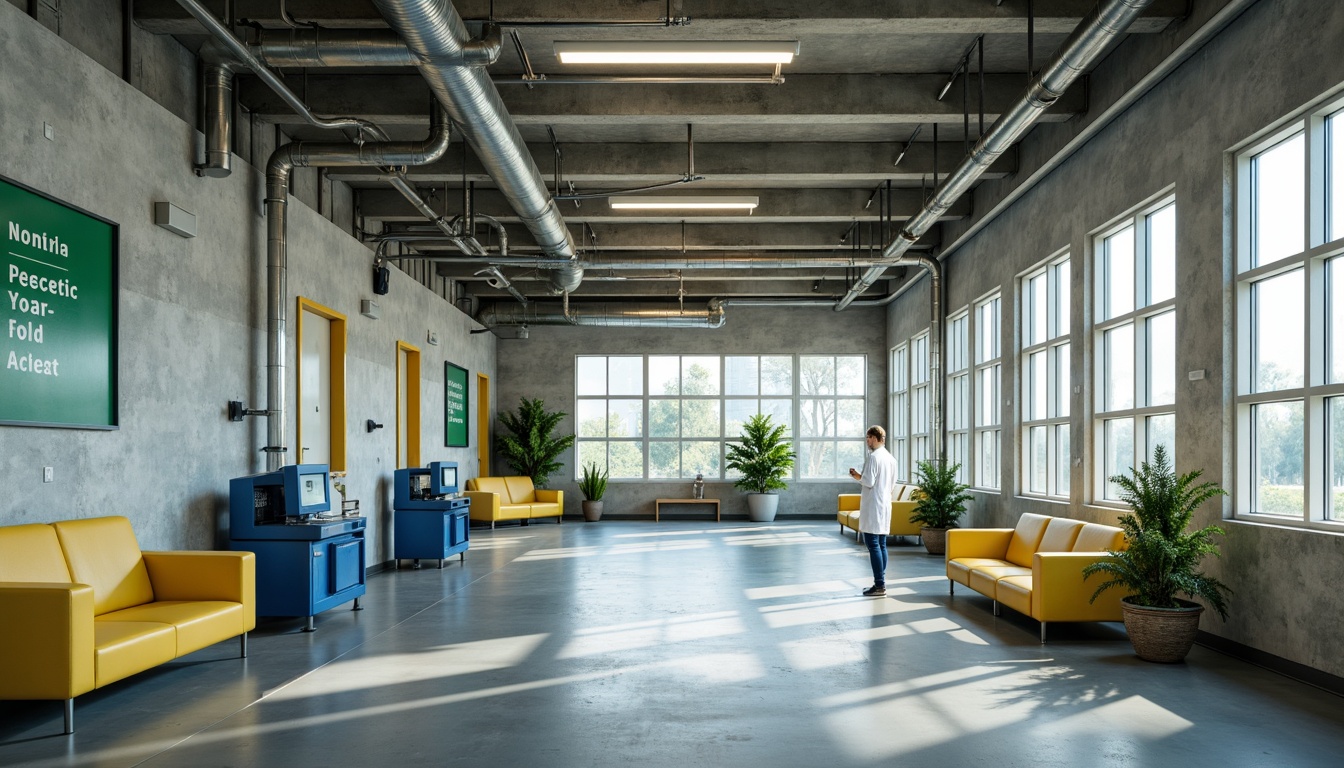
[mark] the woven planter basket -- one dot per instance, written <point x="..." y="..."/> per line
<point x="1164" y="635"/>
<point x="935" y="540"/>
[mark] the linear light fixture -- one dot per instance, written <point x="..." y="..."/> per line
<point x="690" y="52"/>
<point x="683" y="202"/>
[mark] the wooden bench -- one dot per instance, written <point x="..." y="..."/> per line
<point x="657" y="506"/>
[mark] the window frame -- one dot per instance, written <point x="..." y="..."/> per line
<point x="1057" y="343"/>
<point x="898" y="430"/>
<point x="987" y="366"/>
<point x="957" y="406"/>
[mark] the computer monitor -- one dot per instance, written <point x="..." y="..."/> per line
<point x="442" y="478"/>
<point x="307" y="489"/>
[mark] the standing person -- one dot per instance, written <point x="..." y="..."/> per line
<point x="877" y="478"/>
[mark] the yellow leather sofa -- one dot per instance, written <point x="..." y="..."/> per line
<point x="84" y="607"/>
<point x="1036" y="568"/>
<point x="902" y="506"/>
<point x="512" y="498"/>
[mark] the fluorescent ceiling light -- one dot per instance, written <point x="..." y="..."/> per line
<point x="701" y="202"/>
<point x="647" y="52"/>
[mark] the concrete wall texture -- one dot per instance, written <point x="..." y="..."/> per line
<point x="1267" y="65"/>
<point x="193" y="316"/>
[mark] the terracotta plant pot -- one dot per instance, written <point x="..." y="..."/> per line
<point x="592" y="511"/>
<point x="1163" y="635"/>
<point x="935" y="540"/>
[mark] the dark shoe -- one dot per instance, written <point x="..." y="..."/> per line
<point x="875" y="591"/>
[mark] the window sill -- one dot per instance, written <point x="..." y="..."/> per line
<point x="1269" y="521"/>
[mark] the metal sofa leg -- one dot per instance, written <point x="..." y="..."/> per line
<point x="996" y="607"/>
<point x="69" y="716"/>
<point x="951" y="587"/>
<point x="243" y="643"/>
<point x="1042" y="633"/>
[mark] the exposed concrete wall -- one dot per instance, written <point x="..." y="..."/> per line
<point x="193" y="317"/>
<point x="1265" y="66"/>
<point x="543" y="366"/>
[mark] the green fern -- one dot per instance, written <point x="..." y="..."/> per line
<point x="941" y="500"/>
<point x="530" y="448"/>
<point x="762" y="455"/>
<point x="1162" y="557"/>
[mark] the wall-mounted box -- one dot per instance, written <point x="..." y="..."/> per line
<point x="176" y="220"/>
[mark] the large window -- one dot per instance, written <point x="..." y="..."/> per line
<point x="988" y="374"/>
<point x="920" y="434"/>
<point x="959" y="394"/>
<point x="1045" y="379"/>
<point x="669" y="416"/>
<point x="1135" y="343"/>
<point x="1290" y="323"/>
<point x="898" y="438"/>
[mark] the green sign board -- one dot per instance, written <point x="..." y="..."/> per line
<point x="58" y="322"/>
<point x="454" y="406"/>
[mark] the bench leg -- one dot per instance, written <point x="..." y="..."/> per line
<point x="69" y="716"/>
<point x="243" y="645"/>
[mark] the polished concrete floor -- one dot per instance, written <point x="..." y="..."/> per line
<point x="682" y="644"/>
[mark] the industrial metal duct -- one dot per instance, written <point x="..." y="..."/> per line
<point x="1084" y="46"/>
<point x="436" y="34"/>
<point x="607" y="315"/>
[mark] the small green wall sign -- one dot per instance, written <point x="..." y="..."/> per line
<point x="455" y="398"/>
<point x="58" y="313"/>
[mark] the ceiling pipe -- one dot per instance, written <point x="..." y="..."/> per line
<point x="364" y="48"/>
<point x="496" y="279"/>
<point x="605" y="315"/>
<point x="278" y="170"/>
<point x="434" y="31"/>
<point x="1085" y="45"/>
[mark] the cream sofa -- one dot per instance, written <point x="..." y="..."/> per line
<point x="83" y="607"/>
<point x="1036" y="568"/>
<point x="512" y="498"/>
<point x="902" y="505"/>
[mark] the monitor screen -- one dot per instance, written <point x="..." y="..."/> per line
<point x="442" y="478"/>
<point x="312" y="489"/>
<point x="448" y="476"/>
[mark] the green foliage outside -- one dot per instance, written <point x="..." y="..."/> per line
<point x="763" y="456"/>
<point x="530" y="448"/>
<point x="941" y="498"/>
<point x="1162" y="557"/>
<point x="593" y="483"/>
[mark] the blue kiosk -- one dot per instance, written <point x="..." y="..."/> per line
<point x="429" y="519"/>
<point x="307" y="561"/>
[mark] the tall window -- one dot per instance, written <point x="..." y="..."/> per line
<point x="988" y="374"/>
<point x="1045" y="379"/>
<point x="669" y="416"/>
<point x="919" y="398"/>
<point x="899" y="439"/>
<point x="959" y="394"/>
<point x="1135" y="342"/>
<point x="1290" y="323"/>
<point x="830" y="415"/>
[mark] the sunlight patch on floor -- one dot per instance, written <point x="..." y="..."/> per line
<point x="1134" y="717"/>
<point x="858" y="607"/>
<point x="399" y="668"/>
<point x="852" y="646"/>
<point x="651" y="634"/>
<point x="799" y="590"/>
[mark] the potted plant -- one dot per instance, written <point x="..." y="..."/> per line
<point x="530" y="448"/>
<point x="940" y="502"/>
<point x="592" y="485"/>
<point x="764" y="459"/>
<point x="1161" y="559"/>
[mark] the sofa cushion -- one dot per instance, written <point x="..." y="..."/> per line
<point x="123" y="648"/>
<point x="1060" y="535"/>
<point x="1015" y="592"/>
<point x="1099" y="538"/>
<point x="32" y="553"/>
<point x="102" y="552"/>
<point x="1026" y="537"/>
<point x="545" y="509"/>
<point x="985" y="579"/>
<point x="490" y="485"/>
<point x="199" y="623"/>
<point x="520" y="490"/>
<point x="960" y="568"/>
<point x="515" y="511"/>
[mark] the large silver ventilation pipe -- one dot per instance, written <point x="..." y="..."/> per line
<point x="282" y="163"/>
<point x="608" y="315"/>
<point x="218" y="121"/>
<point x="1084" y="46"/>
<point x="434" y="31"/>
<point x="362" y="48"/>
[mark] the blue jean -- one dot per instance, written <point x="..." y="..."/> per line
<point x="877" y="553"/>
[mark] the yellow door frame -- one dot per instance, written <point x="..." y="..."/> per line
<point x="412" y="388"/>
<point x="483" y="423"/>
<point x="336" y="374"/>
